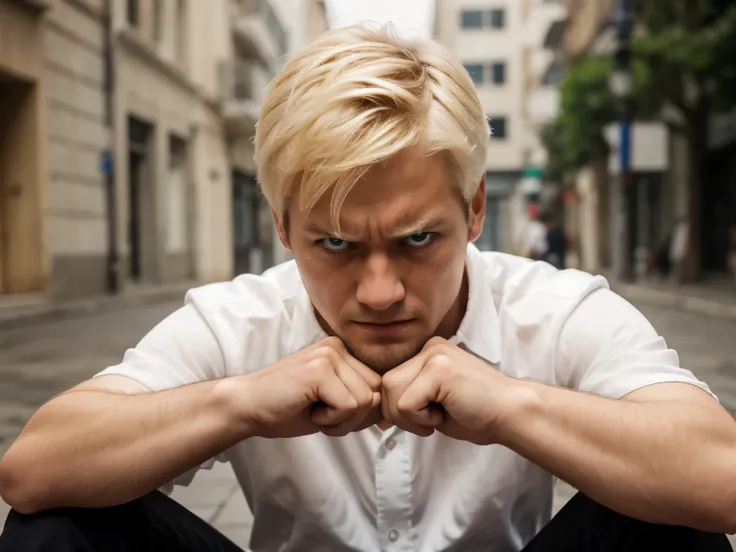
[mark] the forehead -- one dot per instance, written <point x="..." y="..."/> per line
<point x="408" y="189"/>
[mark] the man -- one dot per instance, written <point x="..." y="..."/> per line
<point x="392" y="388"/>
<point x="555" y="240"/>
<point x="534" y="238"/>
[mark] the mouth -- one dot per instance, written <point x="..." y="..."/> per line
<point x="393" y="327"/>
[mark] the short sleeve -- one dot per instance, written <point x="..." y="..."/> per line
<point x="607" y="347"/>
<point x="181" y="350"/>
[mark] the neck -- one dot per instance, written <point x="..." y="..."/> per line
<point x="454" y="317"/>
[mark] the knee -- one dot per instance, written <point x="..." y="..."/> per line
<point x="49" y="530"/>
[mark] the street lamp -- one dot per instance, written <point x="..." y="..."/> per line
<point x="622" y="87"/>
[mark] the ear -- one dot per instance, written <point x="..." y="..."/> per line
<point x="477" y="211"/>
<point x="281" y="229"/>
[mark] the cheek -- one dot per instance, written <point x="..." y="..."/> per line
<point x="437" y="281"/>
<point x="327" y="289"/>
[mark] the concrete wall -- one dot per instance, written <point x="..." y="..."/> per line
<point x="77" y="229"/>
<point x="170" y="79"/>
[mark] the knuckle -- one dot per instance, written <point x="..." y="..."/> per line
<point x="327" y="354"/>
<point x="390" y="380"/>
<point x="319" y="366"/>
<point x="435" y="342"/>
<point x="441" y="363"/>
<point x="334" y="343"/>
<point x="403" y="407"/>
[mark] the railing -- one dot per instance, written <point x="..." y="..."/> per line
<point x="263" y="8"/>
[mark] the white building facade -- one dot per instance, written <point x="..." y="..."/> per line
<point x="487" y="38"/>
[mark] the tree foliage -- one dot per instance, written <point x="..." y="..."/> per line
<point x="683" y="58"/>
<point x="587" y="106"/>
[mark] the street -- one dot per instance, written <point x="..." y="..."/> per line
<point x="37" y="362"/>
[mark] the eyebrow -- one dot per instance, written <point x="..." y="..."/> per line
<point x="401" y="231"/>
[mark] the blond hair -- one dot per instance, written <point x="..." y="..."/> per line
<point x="355" y="97"/>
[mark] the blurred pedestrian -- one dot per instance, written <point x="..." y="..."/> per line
<point x="556" y="246"/>
<point x="534" y="237"/>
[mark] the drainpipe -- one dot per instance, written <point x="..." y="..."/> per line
<point x="108" y="157"/>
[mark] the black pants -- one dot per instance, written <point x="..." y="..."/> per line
<point x="157" y="523"/>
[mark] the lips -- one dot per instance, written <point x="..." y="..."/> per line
<point x="385" y="329"/>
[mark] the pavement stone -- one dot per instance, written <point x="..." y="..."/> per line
<point x="40" y="360"/>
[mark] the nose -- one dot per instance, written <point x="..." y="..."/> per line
<point x="379" y="286"/>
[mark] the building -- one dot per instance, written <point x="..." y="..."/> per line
<point x="25" y="263"/>
<point x="303" y="20"/>
<point x="657" y="196"/>
<point x="487" y="37"/>
<point x="156" y="124"/>
<point x="54" y="127"/>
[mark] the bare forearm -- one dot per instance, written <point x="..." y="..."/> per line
<point x="659" y="462"/>
<point x="96" y="448"/>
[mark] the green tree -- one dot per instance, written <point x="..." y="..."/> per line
<point x="689" y="47"/>
<point x="684" y="70"/>
<point x="576" y="137"/>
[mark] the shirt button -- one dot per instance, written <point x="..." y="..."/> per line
<point x="390" y="444"/>
<point x="393" y="535"/>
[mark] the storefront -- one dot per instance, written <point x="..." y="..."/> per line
<point x="24" y="266"/>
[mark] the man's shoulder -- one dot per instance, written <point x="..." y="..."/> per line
<point x="270" y="294"/>
<point x="514" y="278"/>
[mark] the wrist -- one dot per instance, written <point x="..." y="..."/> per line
<point x="229" y="396"/>
<point x="522" y="402"/>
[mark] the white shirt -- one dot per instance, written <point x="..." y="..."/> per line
<point x="394" y="491"/>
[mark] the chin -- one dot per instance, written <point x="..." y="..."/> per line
<point x="383" y="357"/>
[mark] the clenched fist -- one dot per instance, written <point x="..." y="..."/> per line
<point x="320" y="388"/>
<point x="447" y="389"/>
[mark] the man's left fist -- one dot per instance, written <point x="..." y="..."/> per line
<point x="448" y="389"/>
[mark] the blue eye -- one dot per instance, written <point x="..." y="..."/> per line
<point x="334" y="244"/>
<point x="419" y="239"/>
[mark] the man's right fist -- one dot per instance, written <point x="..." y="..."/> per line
<point x="320" y="388"/>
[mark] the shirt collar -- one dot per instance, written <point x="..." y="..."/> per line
<point x="479" y="330"/>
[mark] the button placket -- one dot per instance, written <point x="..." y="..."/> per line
<point x="393" y="494"/>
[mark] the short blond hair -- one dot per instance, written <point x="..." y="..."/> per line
<point x="356" y="97"/>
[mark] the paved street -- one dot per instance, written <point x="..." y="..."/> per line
<point x="37" y="362"/>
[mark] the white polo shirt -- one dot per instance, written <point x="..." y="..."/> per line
<point x="394" y="491"/>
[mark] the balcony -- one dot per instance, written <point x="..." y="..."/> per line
<point x="258" y="31"/>
<point x="243" y="88"/>
<point x="542" y="16"/>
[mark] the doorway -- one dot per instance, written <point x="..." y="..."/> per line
<point x="245" y="222"/>
<point x="139" y="169"/>
<point x="22" y="268"/>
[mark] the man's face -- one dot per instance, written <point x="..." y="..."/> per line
<point x="394" y="277"/>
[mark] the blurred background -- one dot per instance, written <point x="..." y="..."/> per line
<point x="127" y="175"/>
<point x="126" y="133"/>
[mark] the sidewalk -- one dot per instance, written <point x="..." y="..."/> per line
<point x="713" y="299"/>
<point x="22" y="311"/>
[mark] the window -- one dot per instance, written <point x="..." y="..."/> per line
<point x="497" y="19"/>
<point x="476" y="72"/>
<point x="498" y="127"/>
<point x="176" y="198"/>
<point x="488" y="19"/>
<point x="487" y="73"/>
<point x="471" y="19"/>
<point x="133" y="13"/>
<point x="498" y="72"/>
<point x="554" y="75"/>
